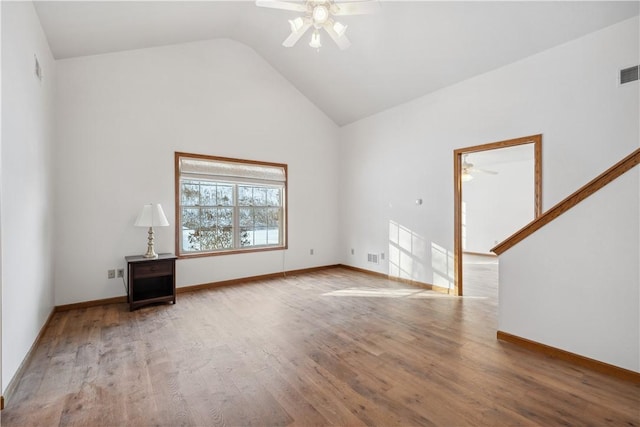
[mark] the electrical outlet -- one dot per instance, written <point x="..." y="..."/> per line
<point x="352" y="251"/>
<point x="111" y="274"/>
<point x="120" y="272"/>
<point x="311" y="252"/>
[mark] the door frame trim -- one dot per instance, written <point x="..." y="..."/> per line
<point x="536" y="140"/>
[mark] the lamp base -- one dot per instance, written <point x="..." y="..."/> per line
<point x="151" y="253"/>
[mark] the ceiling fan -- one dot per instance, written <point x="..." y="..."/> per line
<point x="468" y="169"/>
<point x="320" y="14"/>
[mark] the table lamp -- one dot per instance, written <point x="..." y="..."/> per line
<point x="151" y="216"/>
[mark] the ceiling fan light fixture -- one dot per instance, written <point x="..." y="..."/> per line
<point x="296" y="24"/>
<point x="339" y="29"/>
<point x="315" y="40"/>
<point x="320" y="14"/>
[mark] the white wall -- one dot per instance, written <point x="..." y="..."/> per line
<point x="1" y="383"/>
<point x="496" y="206"/>
<point x="581" y="293"/>
<point x="120" y="119"/>
<point x="27" y="214"/>
<point x="568" y="93"/>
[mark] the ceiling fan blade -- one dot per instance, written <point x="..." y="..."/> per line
<point x="355" y="8"/>
<point x="296" y="35"/>
<point x="341" y="40"/>
<point x="483" y="171"/>
<point x="277" y="4"/>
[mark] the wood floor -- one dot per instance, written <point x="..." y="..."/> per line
<point x="335" y="347"/>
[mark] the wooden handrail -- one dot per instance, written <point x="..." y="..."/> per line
<point x="585" y="191"/>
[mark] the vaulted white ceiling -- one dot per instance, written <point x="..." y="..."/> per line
<point x="405" y="51"/>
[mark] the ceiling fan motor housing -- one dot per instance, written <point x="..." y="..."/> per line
<point x="320" y="15"/>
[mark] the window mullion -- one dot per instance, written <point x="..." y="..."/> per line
<point x="236" y="218"/>
<point x="281" y="229"/>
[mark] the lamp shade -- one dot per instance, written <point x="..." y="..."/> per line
<point x="151" y="216"/>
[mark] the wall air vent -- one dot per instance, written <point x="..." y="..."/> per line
<point x="629" y="75"/>
<point x="372" y="258"/>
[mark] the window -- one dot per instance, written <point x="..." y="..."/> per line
<point x="229" y="205"/>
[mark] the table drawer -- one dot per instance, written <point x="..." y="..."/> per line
<point x="153" y="269"/>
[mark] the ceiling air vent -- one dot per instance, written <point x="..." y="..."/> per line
<point x="629" y="75"/>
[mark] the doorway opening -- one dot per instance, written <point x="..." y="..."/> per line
<point x="462" y="171"/>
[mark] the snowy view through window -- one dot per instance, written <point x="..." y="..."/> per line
<point x="229" y="205"/>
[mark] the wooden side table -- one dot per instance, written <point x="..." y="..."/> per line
<point x="151" y="280"/>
